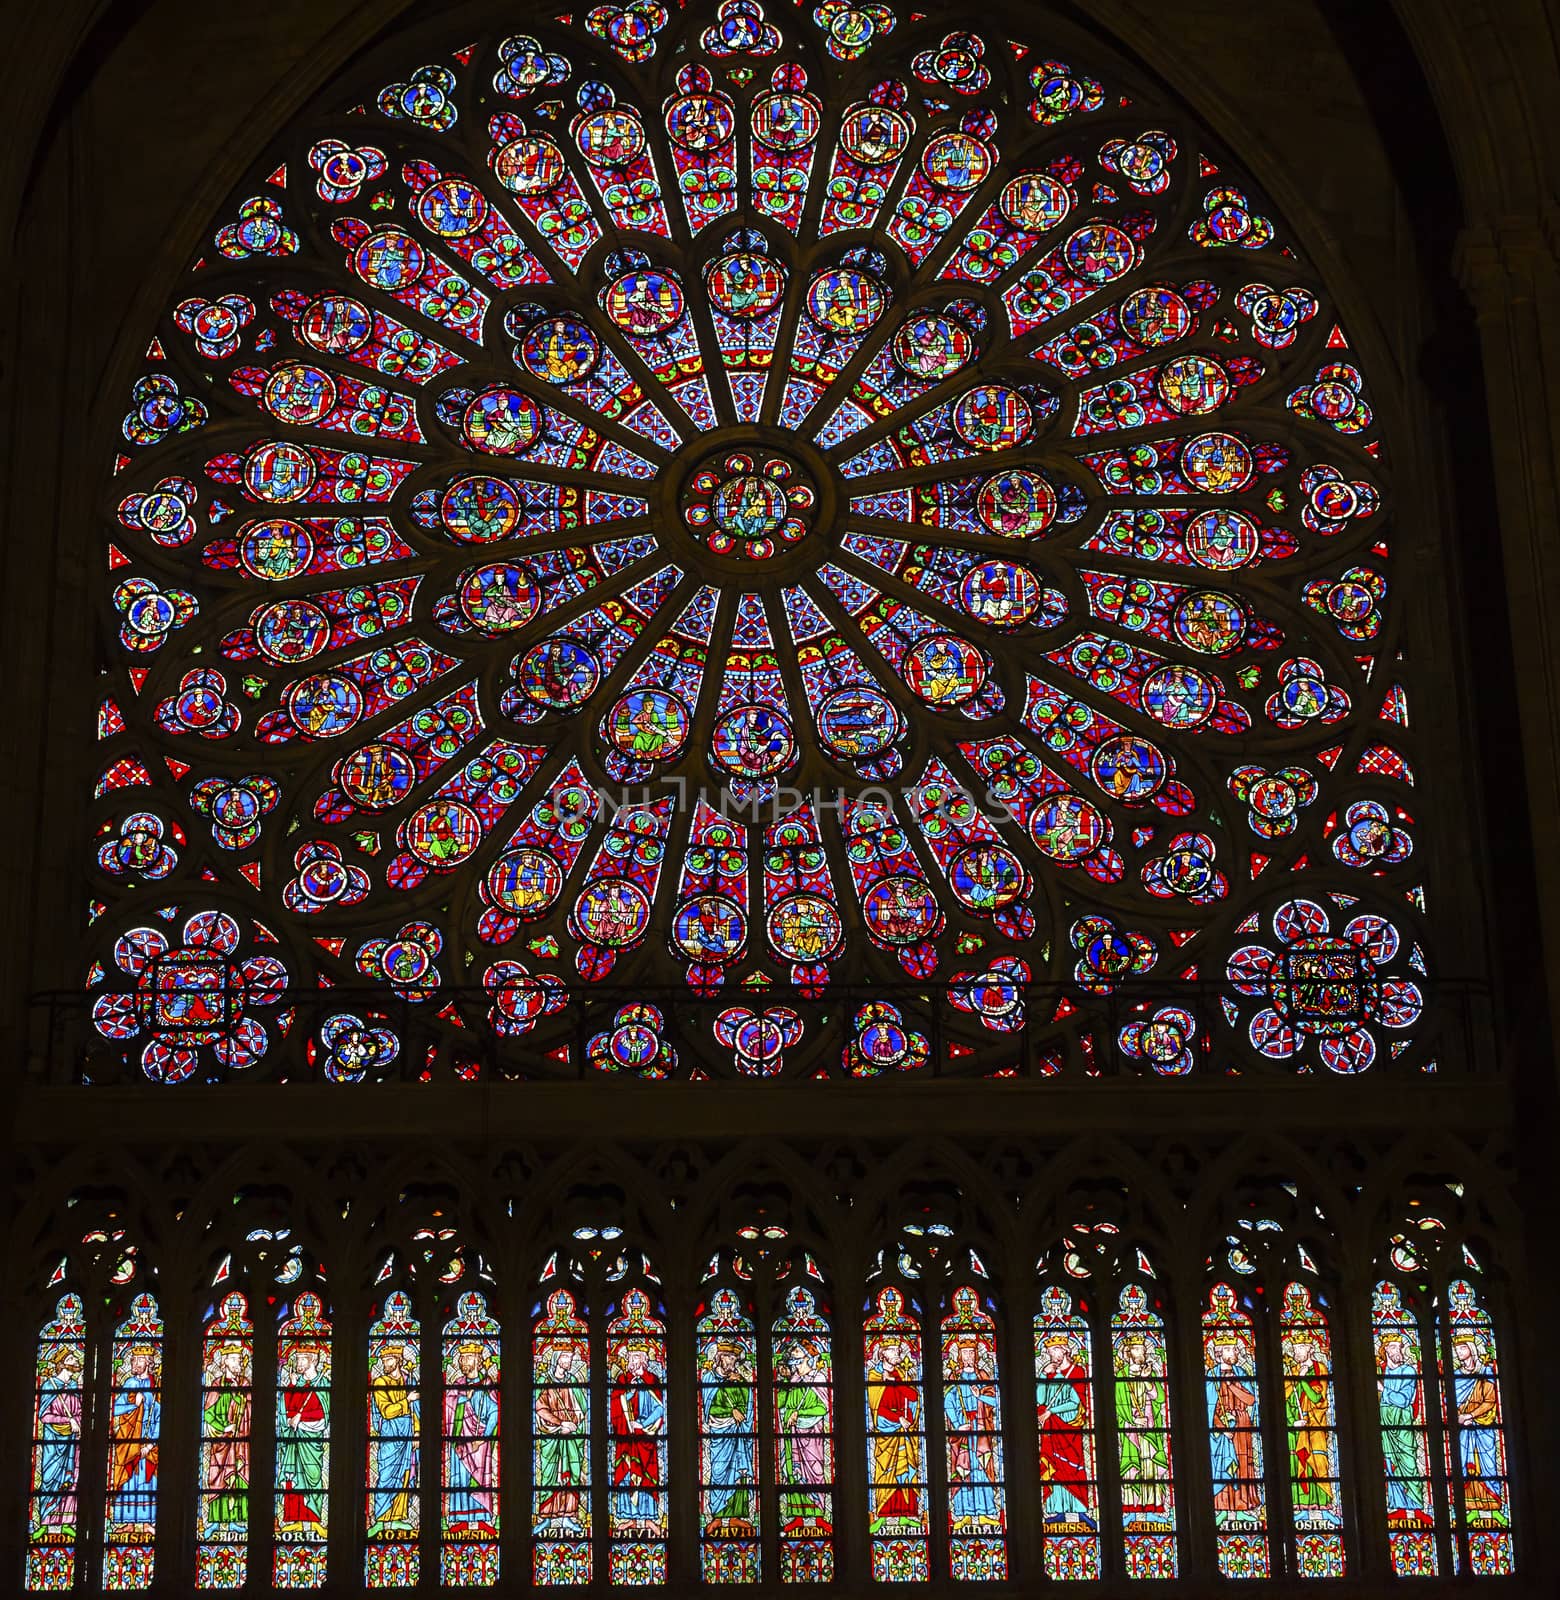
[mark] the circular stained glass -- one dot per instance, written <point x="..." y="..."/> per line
<point x="607" y="447"/>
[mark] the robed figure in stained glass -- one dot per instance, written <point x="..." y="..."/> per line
<point x="226" y="1431"/>
<point x="638" y="1417"/>
<point x="802" y="1412"/>
<point x="471" y="1427"/>
<point x="302" y="1429"/>
<point x="1307" y="1411"/>
<point x="58" y="1460"/>
<point x="560" y="1445"/>
<point x="970" y="1415"/>
<point x="894" y="1414"/>
<point x="137" y="1422"/>
<point x="395" y="1430"/>
<point x="728" y="1428"/>
<point x="1141" y="1426"/>
<point x="1478" y="1420"/>
<point x="1232" y="1398"/>
<point x="1402" y="1425"/>
<point x="1062" y="1411"/>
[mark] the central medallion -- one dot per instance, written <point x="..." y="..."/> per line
<point x="749" y="503"/>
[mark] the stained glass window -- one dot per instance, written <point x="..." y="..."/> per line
<point x="1143" y="1453"/>
<point x="1405" y="1435"/>
<point x="972" y="1439"/>
<point x="226" y="1427"/>
<point x="649" y="479"/>
<point x="1472" y="1412"/>
<point x="561" y="1522"/>
<point x="303" y="1416"/>
<point x="1311" y="1423"/>
<point x="135" y="1422"/>
<point x="636" y="1426"/>
<point x="54" y="1508"/>
<point x="899" y="1519"/>
<point x="728" y="1441"/>
<point x="802" y="1381"/>
<point x="393" y="1517"/>
<point x="469" y="1521"/>
<point x="1234" y="1402"/>
<point x="1064" y="1413"/>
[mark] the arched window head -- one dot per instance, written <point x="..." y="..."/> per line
<point x="135" y="1437"/>
<point x="690" y="508"/>
<point x="303" y="1425"/>
<point x="54" y="1507"/>
<point x="223" y="1510"/>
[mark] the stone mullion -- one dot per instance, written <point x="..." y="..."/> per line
<point x="1020" y="1427"/>
<point x="684" y="1512"/>
<point x="262" y="1437"/>
<point x="1359" y="1430"/>
<point x="178" y="1444"/>
<point x="349" y="1439"/>
<point x="852" y="1545"/>
<point x="514" y="1427"/>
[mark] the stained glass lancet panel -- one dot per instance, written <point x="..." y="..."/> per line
<point x="728" y="1441"/>
<point x="1405" y="1435"/>
<point x="802" y="1379"/>
<point x="393" y="1513"/>
<point x="303" y="1422"/>
<point x="1311" y="1421"/>
<point x="226" y="1426"/>
<point x="972" y="1439"/>
<point x="1480" y="1492"/>
<point x="1068" y="1453"/>
<point x="1234" y="1402"/>
<point x="640" y="1519"/>
<point x="135" y="1425"/>
<point x="898" y="1517"/>
<point x="1144" y="1461"/>
<point x="54" y="1504"/>
<point x="469" y="1504"/>
<point x="1079" y="482"/>
<point x="561" y="1504"/>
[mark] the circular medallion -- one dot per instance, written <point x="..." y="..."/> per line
<point x="443" y="833"/>
<point x="945" y="670"/>
<point x="745" y="285"/>
<point x="1017" y="504"/>
<point x="336" y="324"/>
<point x="479" y="509"/>
<point x="785" y="122"/>
<point x="1000" y="594"/>
<point x="1100" y="253"/>
<point x="291" y="630"/>
<point x="389" y="260"/>
<point x="325" y="705"/>
<point x="845" y="302"/>
<point x="1155" y="315"/>
<point x="901" y="910"/>
<point x="275" y="550"/>
<point x="1222" y="540"/>
<point x="299" y="394"/>
<point x="502" y="422"/>
<point x="1034" y="201"/>
<point x="611" y="138"/>
<point x="612" y="912"/>
<point x="645" y="303"/>
<point x="1179" y="696"/>
<point x="858" y="722"/>
<point x="992" y="417"/>
<point x="560" y="350"/>
<point x="648" y="724"/>
<point x="558" y="674"/>
<point x="749" y="504"/>
<point x="1194" y="385"/>
<point x="279" y="471"/>
<point x="873" y="135"/>
<point x="530" y="166"/>
<point x="1067" y="828"/>
<point x="932" y="348"/>
<point x="805" y="928"/>
<point x="452" y="208"/>
<point x="709" y="927"/>
<point x="1210" y="623"/>
<point x="956" y="161"/>
<point x="753" y="741"/>
<point x="1128" y="768"/>
<point x="376" y="776"/>
<point x="524" y="883"/>
<point x="700" y="122"/>
<point x="986" y="877"/>
<point x="499" y="597"/>
<point x="1217" y="463"/>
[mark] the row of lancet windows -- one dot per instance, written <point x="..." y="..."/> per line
<point x="761" y="1379"/>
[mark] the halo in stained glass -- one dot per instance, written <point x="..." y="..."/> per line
<point x="747" y="427"/>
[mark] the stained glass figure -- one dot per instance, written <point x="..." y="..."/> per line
<point x="636" y="1428"/>
<point x="802" y="1383"/>
<point x="135" y="1436"/>
<point x="1405" y="1434"/>
<point x="469" y="1504"/>
<point x="393" y="1515"/>
<point x="222" y="1528"/>
<point x="728" y="1441"/>
<point x="303" y="1416"/>
<point x="54" y="1505"/>
<point x="973" y="1442"/>
<point x="561" y="1506"/>
<point x="896" y="423"/>
<point x="1143" y="1453"/>
<point x="1234" y="1404"/>
<point x="1311" y="1424"/>
<point x="1064" y="1413"/>
<point x="898" y="1515"/>
<point x="1480" y="1491"/>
